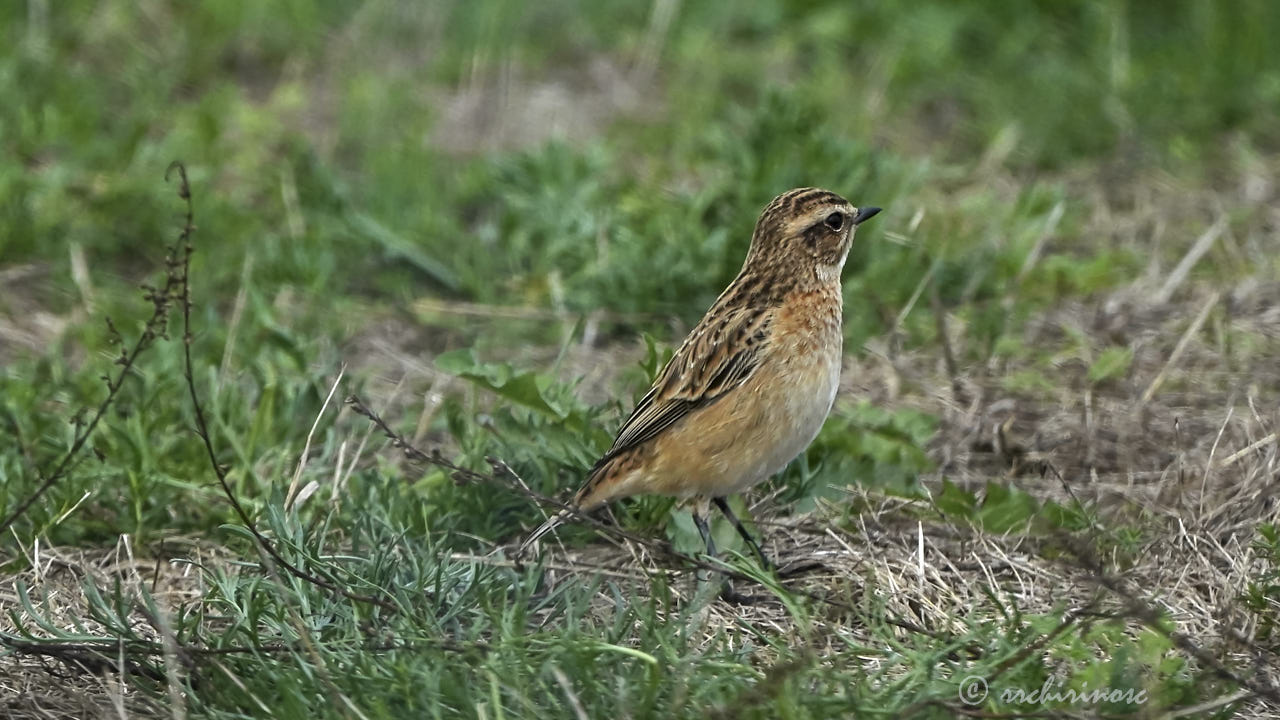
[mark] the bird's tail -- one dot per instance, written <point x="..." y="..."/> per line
<point x="601" y="487"/>
<point x="546" y="527"/>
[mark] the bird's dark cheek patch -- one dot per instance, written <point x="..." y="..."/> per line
<point x="813" y="239"/>
<point x="823" y="244"/>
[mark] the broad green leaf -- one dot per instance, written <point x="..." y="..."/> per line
<point x="1005" y="508"/>
<point x="955" y="500"/>
<point x="525" y="388"/>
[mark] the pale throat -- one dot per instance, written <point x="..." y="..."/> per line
<point x="829" y="273"/>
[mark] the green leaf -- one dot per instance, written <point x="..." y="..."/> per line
<point x="400" y="247"/>
<point x="654" y="359"/>
<point x="1005" y="508"/>
<point x="1112" y="363"/>
<point x="955" y="500"/>
<point x="524" y="388"/>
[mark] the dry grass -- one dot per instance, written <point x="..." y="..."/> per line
<point x="76" y="685"/>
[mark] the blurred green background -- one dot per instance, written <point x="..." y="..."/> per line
<point x="378" y="183"/>
<point x="392" y="150"/>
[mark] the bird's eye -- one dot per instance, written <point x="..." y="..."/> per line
<point x="835" y="221"/>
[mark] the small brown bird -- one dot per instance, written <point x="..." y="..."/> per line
<point x="750" y="387"/>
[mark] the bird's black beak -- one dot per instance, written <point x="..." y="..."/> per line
<point x="865" y="214"/>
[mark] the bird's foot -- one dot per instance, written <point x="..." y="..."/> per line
<point x="731" y="596"/>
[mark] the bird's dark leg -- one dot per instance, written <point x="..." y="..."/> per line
<point x="727" y="593"/>
<point x="700" y="519"/>
<point x="742" y="530"/>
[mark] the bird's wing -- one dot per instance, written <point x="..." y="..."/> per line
<point x="719" y="355"/>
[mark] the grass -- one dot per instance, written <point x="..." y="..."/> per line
<point x="1052" y="460"/>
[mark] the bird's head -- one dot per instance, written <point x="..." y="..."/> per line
<point x="807" y="226"/>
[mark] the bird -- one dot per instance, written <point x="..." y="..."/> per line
<point x="750" y="387"/>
